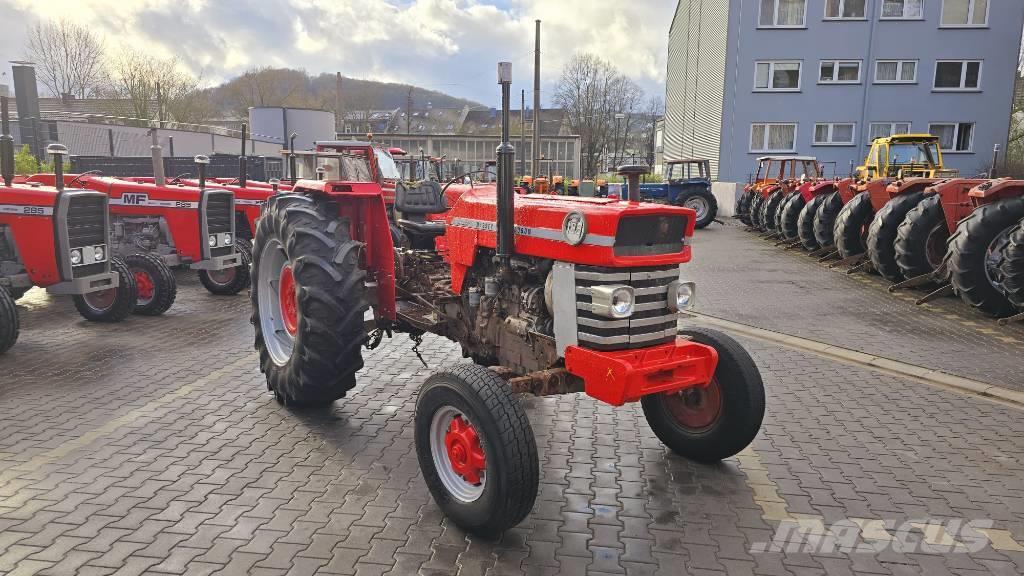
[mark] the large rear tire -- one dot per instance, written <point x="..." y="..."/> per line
<point x="976" y="251"/>
<point x="9" y="323"/>
<point x="703" y="202"/>
<point x="230" y="281"/>
<point x="155" y="284"/>
<point x="851" y="231"/>
<point x="112" y="304"/>
<point x="755" y="211"/>
<point x="716" y="421"/>
<point x="883" y="231"/>
<point x="1013" y="268"/>
<point x="825" y="219"/>
<point x="921" y="239"/>
<point x="308" y="300"/>
<point x="743" y="206"/>
<point x="805" y="223"/>
<point x="770" y="210"/>
<point x="789" y="221"/>
<point x="476" y="449"/>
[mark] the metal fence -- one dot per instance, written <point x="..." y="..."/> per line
<point x="221" y="166"/>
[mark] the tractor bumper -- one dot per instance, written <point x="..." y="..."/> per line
<point x="624" y="376"/>
<point x="218" y="262"/>
<point x="86" y="285"/>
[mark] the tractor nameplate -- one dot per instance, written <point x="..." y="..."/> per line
<point x="26" y="210"/>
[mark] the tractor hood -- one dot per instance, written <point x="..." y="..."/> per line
<point x="25" y="198"/>
<point x="593" y="231"/>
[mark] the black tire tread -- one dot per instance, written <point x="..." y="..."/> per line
<point x="769" y="210"/>
<point x="242" y="277"/>
<point x="883" y="231"/>
<point x="825" y="219"/>
<point x="1013" y="268"/>
<point x="789" y="219"/>
<point x="856" y="214"/>
<point x="161" y="274"/>
<point x="965" y="254"/>
<point x="712" y="206"/>
<point x="912" y="237"/>
<point x="127" y="294"/>
<point x="9" y="323"/>
<point x="805" y="223"/>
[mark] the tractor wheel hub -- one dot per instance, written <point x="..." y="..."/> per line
<point x="695" y="408"/>
<point x="289" y="303"/>
<point x="464" y="451"/>
<point x="145" y="284"/>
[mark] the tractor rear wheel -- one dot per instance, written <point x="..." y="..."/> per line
<point x="230" y="281"/>
<point x="921" y="239"/>
<point x="851" y="231"/>
<point x="743" y="206"/>
<point x="805" y="223"/>
<point x="770" y="210"/>
<point x="716" y="421"/>
<point x="476" y="449"/>
<point x="155" y="284"/>
<point x="9" y="323"/>
<point x="1012" y="268"/>
<point x="883" y="231"/>
<point x="755" y="210"/>
<point x="308" y="300"/>
<point x="112" y="304"/>
<point x="825" y="219"/>
<point x="789" y="222"/>
<point x="702" y="202"/>
<point x="976" y="251"/>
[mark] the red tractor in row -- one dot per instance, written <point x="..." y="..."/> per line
<point x="776" y="179"/>
<point x="56" y="238"/>
<point x="546" y="294"/>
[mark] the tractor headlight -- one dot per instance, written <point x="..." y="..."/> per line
<point x="213" y="240"/>
<point x="99" y="254"/>
<point x="681" y="295"/>
<point x="76" y="257"/>
<point x="227" y="239"/>
<point x="612" y="301"/>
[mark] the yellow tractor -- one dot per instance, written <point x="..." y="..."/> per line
<point x="902" y="156"/>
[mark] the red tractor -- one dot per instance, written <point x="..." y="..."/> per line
<point x="56" y="238"/>
<point x="156" y="227"/>
<point x="777" y="176"/>
<point x="547" y="295"/>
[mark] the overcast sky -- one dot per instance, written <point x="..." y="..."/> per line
<point x="448" y="45"/>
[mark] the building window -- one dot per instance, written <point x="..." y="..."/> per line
<point x="957" y="13"/>
<point x="844" y="9"/>
<point x="954" y="137"/>
<point x="780" y="76"/>
<point x="895" y="71"/>
<point x="885" y="129"/>
<point x="768" y="137"/>
<point x="957" y="75"/>
<point x="903" y="9"/>
<point x="839" y="72"/>
<point x="833" y="134"/>
<point x="782" y="13"/>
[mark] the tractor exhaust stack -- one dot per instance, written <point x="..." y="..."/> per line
<point x="506" y="167"/>
<point x="58" y="151"/>
<point x="6" y="143"/>
<point x="631" y="173"/>
<point x="201" y="162"/>
<point x="158" y="159"/>
<point x="243" y="167"/>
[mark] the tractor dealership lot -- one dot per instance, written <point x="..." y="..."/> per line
<point x="154" y="446"/>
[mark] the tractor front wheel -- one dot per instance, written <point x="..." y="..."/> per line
<point x="308" y="300"/>
<point x="230" y="281"/>
<point x="883" y="231"/>
<point x="921" y="239"/>
<point x="476" y="449"/>
<point x="155" y="284"/>
<point x="702" y="202"/>
<point x="851" y="231"/>
<point x="825" y="219"/>
<point x="805" y="223"/>
<point x="9" y="325"/>
<point x="976" y="252"/>
<point x="112" y="304"/>
<point x="1013" y="268"/>
<point x="716" y="421"/>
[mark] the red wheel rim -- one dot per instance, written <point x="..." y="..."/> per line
<point x="145" y="284"/>
<point x="464" y="451"/>
<point x="695" y="408"/>
<point x="289" y="303"/>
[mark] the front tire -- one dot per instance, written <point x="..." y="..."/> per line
<point x="1013" y="268"/>
<point x="975" y="253"/>
<point x="703" y="203"/>
<point x="825" y="219"/>
<point x="716" y="421"/>
<point x="308" y="300"/>
<point x="883" y="231"/>
<point x="9" y="322"/>
<point x="476" y="449"/>
<point x="155" y="284"/>
<point x="112" y="304"/>
<point x="230" y="281"/>
<point x="921" y="239"/>
<point x="851" y="231"/>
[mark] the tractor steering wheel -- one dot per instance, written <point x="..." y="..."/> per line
<point x="76" y="178"/>
<point x="177" y="179"/>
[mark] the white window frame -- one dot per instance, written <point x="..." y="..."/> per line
<point x="963" y="76"/>
<point x="892" y="129"/>
<point x="775" y="17"/>
<point x="956" y="135"/>
<point x="899" y="71"/>
<point x="771" y="75"/>
<point x="835" y="71"/>
<point x="881" y="12"/>
<point x="842" y="3"/>
<point x="970" y="13"/>
<point x="767" y="136"/>
<point x="831" y="129"/>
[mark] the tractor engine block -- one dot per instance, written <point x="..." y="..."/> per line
<point x="131" y="235"/>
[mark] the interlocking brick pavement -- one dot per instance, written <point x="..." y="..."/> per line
<point x="153" y="447"/>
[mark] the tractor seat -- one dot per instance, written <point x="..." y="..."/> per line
<point x="413" y="204"/>
<point x="422" y="227"/>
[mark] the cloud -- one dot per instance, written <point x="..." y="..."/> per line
<point x="448" y="45"/>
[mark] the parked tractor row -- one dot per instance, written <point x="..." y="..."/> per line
<point x="903" y="216"/>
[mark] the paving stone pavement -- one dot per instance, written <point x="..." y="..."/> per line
<point x="152" y="447"/>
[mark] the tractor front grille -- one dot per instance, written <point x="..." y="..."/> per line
<point x="86" y="228"/>
<point x="219" y="217"/>
<point x="652" y="322"/>
<point x="649" y="235"/>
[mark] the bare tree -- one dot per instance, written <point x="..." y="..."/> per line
<point x="68" y="57"/>
<point x="272" y="87"/>
<point x="157" y="89"/>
